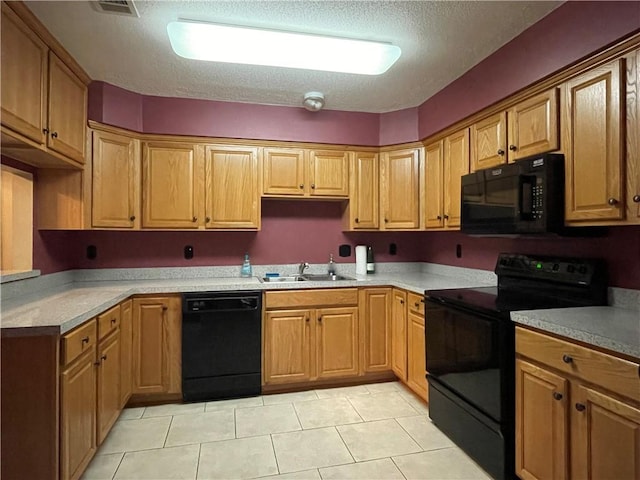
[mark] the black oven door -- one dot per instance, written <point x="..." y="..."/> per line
<point x="472" y="354"/>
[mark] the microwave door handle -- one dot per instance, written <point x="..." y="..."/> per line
<point x="525" y="200"/>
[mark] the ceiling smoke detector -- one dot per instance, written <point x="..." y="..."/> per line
<point x="313" y="101"/>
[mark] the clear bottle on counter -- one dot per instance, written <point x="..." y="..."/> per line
<point x="246" y="270"/>
<point x="331" y="266"/>
<point x="371" y="266"/>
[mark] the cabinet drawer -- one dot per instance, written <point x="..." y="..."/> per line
<point x="311" y="298"/>
<point x="616" y="374"/>
<point x="108" y="321"/>
<point x="416" y="303"/>
<point x="79" y="341"/>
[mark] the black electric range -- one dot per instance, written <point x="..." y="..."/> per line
<point x="470" y="348"/>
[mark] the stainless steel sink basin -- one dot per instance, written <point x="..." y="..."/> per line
<point x="324" y="277"/>
<point x="291" y="278"/>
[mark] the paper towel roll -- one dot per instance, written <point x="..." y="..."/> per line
<point x="361" y="260"/>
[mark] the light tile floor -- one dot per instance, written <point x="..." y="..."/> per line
<point x="377" y="431"/>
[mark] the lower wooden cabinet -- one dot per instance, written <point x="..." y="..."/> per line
<point x="577" y="411"/>
<point x="126" y="351"/>
<point x="399" y="333"/>
<point x="416" y="358"/>
<point x="157" y="344"/>
<point x="109" y="368"/>
<point x="78" y="414"/>
<point x="310" y="335"/>
<point x="375" y="329"/>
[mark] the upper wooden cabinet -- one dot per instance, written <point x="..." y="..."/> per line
<point x="302" y="173"/>
<point x="434" y="185"/>
<point x="445" y="163"/>
<point x="232" y="194"/>
<point x="456" y="164"/>
<point x="633" y="136"/>
<point x="44" y="103"/>
<point x="400" y="190"/>
<point x="593" y="133"/>
<point x="362" y="212"/>
<point x="172" y="185"/>
<point x="115" y="199"/>
<point x="528" y="128"/>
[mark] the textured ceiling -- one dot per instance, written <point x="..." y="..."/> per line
<point x="439" y="41"/>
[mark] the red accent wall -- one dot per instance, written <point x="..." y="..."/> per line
<point x="620" y="248"/>
<point x="292" y="232"/>
<point x="573" y="31"/>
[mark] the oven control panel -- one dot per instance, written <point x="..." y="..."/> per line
<point x="576" y="271"/>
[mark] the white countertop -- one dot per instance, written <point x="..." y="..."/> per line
<point x="61" y="308"/>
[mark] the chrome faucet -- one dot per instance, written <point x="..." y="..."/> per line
<point x="301" y="267"/>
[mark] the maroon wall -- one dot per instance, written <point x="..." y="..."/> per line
<point x="292" y="231"/>
<point x="569" y="33"/>
<point x="620" y="248"/>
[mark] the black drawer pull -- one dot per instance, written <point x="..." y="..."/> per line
<point x="557" y="395"/>
<point x="567" y="359"/>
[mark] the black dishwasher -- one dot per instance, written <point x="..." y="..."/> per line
<point x="221" y="345"/>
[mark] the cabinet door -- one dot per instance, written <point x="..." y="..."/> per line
<point x="24" y="78"/>
<point x="399" y="334"/>
<point x="156" y="345"/>
<point x="116" y="181"/>
<point x="534" y="126"/>
<point x="109" y="369"/>
<point x="287" y="340"/>
<point x="400" y="190"/>
<point x="67" y="111"/>
<point x="488" y="142"/>
<point x="364" y="195"/>
<point x="542" y="447"/>
<point x="172" y="185"/>
<point x="456" y="164"/>
<point x="329" y="173"/>
<point x="375" y="329"/>
<point x="78" y="415"/>
<point x="633" y="136"/>
<point x="434" y="196"/>
<point x="592" y="134"/>
<point x="416" y="359"/>
<point x="337" y="342"/>
<point x="126" y="351"/>
<point x="283" y="170"/>
<point x="232" y="196"/>
<point x="605" y="436"/>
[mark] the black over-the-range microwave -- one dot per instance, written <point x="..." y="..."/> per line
<point x="525" y="197"/>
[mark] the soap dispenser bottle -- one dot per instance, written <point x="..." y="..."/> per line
<point x="331" y="266"/>
<point x="371" y="266"/>
<point x="245" y="271"/>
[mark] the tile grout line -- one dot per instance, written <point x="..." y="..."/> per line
<point x="407" y="432"/>
<point x="273" y="448"/>
<point x="399" y="469"/>
<point x="166" y="437"/>
<point x="117" y="467"/>
<point x="198" y="464"/>
<point x="346" y="446"/>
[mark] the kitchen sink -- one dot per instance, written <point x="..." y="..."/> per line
<point x="324" y="277"/>
<point x="292" y="278"/>
<point x="309" y="277"/>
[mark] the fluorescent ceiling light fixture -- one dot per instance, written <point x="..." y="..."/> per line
<point x="232" y="44"/>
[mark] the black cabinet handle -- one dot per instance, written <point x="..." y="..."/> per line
<point x="54" y="135"/>
<point x="113" y="321"/>
<point x="446" y="217"/>
<point x="132" y="218"/>
<point x="567" y="359"/>
<point x="103" y="357"/>
<point x="313" y="185"/>
<point x="500" y="152"/>
<point x="320" y="319"/>
<point x="612" y="201"/>
<point x="45" y="131"/>
<point x="85" y="340"/>
<point x="580" y="407"/>
<point x="301" y="185"/>
<point x="557" y="395"/>
<point x="417" y="305"/>
<point x="207" y="219"/>
<point x="357" y="220"/>
<point x="439" y="217"/>
<point x="636" y="199"/>
<point x="513" y="148"/>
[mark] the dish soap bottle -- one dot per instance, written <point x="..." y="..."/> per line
<point x="245" y="271"/>
<point x="331" y="266"/>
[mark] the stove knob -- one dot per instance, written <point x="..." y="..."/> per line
<point x="571" y="268"/>
<point x="556" y="267"/>
<point x="582" y="269"/>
